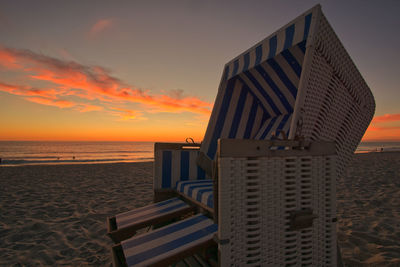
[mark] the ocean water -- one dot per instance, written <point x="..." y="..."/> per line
<point x="365" y="147"/>
<point x="35" y="152"/>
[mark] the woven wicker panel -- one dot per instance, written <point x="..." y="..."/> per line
<point x="338" y="104"/>
<point x="256" y="199"/>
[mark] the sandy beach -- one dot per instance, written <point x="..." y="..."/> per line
<point x="368" y="208"/>
<point x="55" y="215"/>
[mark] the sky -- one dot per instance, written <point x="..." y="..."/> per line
<point x="150" y="70"/>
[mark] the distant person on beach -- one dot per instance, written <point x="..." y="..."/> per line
<point x="73" y="157"/>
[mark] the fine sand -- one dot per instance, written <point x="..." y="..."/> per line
<point x="368" y="208"/>
<point x="55" y="215"/>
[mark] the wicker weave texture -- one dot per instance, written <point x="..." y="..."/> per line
<point x="256" y="199"/>
<point x="337" y="103"/>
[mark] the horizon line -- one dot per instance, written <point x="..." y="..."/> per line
<point x="153" y="141"/>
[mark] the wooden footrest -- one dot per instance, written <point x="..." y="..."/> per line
<point x="125" y="225"/>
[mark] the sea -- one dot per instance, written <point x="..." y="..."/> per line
<point x="50" y="152"/>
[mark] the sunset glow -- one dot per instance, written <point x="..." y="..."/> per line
<point x="385" y="128"/>
<point x="144" y="72"/>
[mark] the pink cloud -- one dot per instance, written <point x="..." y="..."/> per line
<point x="90" y="83"/>
<point x="100" y="26"/>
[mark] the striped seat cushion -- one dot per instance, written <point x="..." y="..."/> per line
<point x="150" y="212"/>
<point x="198" y="190"/>
<point x="168" y="241"/>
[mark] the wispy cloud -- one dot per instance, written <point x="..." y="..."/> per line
<point x="127" y="114"/>
<point x="385" y="127"/>
<point x="51" y="102"/>
<point x="88" y="83"/>
<point x="387" y="118"/>
<point x="100" y="26"/>
<point x="8" y="60"/>
<point x="88" y="108"/>
<point x="66" y="55"/>
<point x="27" y="90"/>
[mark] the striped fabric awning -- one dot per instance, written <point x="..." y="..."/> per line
<point x="258" y="90"/>
<point x="294" y="33"/>
<point x="299" y="81"/>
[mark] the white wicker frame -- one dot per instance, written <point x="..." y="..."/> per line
<point x="334" y="102"/>
<point x="259" y="189"/>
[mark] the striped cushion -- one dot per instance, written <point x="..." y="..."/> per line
<point x="200" y="191"/>
<point x="168" y="241"/>
<point x="150" y="212"/>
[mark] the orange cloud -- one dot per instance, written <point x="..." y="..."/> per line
<point x="88" y="108"/>
<point x="8" y="60"/>
<point x="100" y="26"/>
<point x="92" y="82"/>
<point x="50" y="102"/>
<point x="385" y="127"/>
<point x="126" y="114"/>
<point x="387" y="118"/>
<point x="382" y="133"/>
<point x="27" y="91"/>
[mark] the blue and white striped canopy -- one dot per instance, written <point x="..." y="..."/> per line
<point x="258" y="89"/>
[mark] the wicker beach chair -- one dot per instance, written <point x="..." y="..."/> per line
<point x="298" y="84"/>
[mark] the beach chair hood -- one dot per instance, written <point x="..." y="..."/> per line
<point x="298" y="81"/>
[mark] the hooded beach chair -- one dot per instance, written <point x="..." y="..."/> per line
<point x="298" y="84"/>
